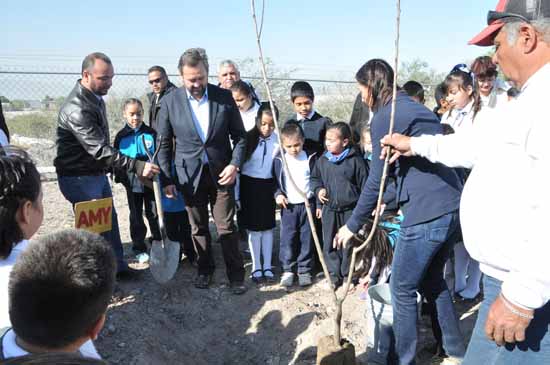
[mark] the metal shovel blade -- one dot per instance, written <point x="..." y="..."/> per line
<point x="164" y="260"/>
<point x="164" y="257"/>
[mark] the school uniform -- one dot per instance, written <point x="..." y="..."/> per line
<point x="129" y="142"/>
<point x="256" y="186"/>
<point x="255" y="192"/>
<point x="249" y="116"/>
<point x="466" y="270"/>
<point x="315" y="128"/>
<point x="343" y="177"/>
<point x="296" y="242"/>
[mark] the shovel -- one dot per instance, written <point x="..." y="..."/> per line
<point x="164" y="256"/>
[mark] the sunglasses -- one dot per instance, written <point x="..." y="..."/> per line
<point x="493" y="16"/>
<point x="155" y="81"/>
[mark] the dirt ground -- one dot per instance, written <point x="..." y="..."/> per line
<point x="176" y="323"/>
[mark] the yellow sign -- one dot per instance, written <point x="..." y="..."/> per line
<point x="94" y="215"/>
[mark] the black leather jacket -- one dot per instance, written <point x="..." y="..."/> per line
<point x="83" y="145"/>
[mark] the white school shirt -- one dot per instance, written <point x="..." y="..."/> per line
<point x="259" y="165"/>
<point x="460" y="119"/>
<point x="299" y="117"/>
<point x="10" y="347"/>
<point x="200" y="112"/>
<point x="249" y="116"/>
<point x="299" y="169"/>
<point x="506" y="199"/>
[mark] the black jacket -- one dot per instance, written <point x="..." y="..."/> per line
<point x="154" y="104"/>
<point x="343" y="180"/>
<point x="175" y="121"/>
<point x="83" y="145"/>
<point x="314" y="132"/>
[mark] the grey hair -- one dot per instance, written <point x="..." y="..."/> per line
<point x="89" y="61"/>
<point x="542" y="26"/>
<point x="193" y="57"/>
<point x="226" y="63"/>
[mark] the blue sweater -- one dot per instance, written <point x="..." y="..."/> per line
<point x="425" y="190"/>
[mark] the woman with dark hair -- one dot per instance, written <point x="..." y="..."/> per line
<point x="428" y="195"/>
<point x="492" y="90"/>
<point x="4" y="132"/>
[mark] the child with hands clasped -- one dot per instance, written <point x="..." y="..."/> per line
<point x="337" y="180"/>
<point x="296" y="244"/>
<point x="255" y="192"/>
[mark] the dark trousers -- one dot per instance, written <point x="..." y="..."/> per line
<point x="338" y="260"/>
<point x="222" y="201"/>
<point x="296" y="246"/>
<point x="178" y="229"/>
<point x="136" y="202"/>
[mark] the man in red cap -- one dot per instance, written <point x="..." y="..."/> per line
<point x="507" y="191"/>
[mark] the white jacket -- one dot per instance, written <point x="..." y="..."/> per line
<point x="506" y="200"/>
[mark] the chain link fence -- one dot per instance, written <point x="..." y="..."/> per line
<point x="31" y="99"/>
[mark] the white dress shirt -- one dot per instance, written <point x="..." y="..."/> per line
<point x="506" y="200"/>
<point x="200" y="111"/>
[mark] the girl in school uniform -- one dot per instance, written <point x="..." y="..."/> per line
<point x="248" y="105"/>
<point x="255" y="192"/>
<point x="464" y="98"/>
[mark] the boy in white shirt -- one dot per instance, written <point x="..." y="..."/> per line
<point x="59" y="290"/>
<point x="296" y="244"/>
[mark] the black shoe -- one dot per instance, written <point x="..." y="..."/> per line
<point x="270" y="279"/>
<point x="203" y="281"/>
<point x="255" y="278"/>
<point x="237" y="287"/>
<point x="139" y="247"/>
<point x="128" y="274"/>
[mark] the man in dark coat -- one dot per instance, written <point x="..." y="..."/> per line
<point x="202" y="118"/>
<point x="160" y="86"/>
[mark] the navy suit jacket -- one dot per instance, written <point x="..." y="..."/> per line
<point x="178" y="131"/>
<point x="425" y="190"/>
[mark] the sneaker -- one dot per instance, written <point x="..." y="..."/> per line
<point x="304" y="279"/>
<point x="287" y="279"/>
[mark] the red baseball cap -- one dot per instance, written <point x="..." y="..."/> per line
<point x="510" y="11"/>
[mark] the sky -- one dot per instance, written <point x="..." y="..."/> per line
<point x="317" y="38"/>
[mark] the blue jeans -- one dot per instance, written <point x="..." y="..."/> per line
<point x="83" y="188"/>
<point x="534" y="350"/>
<point x="420" y="255"/>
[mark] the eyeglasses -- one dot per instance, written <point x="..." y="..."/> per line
<point x="493" y="16"/>
<point x="155" y="81"/>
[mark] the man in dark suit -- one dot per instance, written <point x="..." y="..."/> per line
<point x="201" y="118"/>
